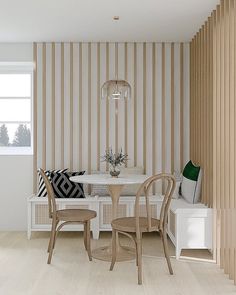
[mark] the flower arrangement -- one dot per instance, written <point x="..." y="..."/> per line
<point x="115" y="160"/>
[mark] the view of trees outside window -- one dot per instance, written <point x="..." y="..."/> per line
<point x="15" y="111"/>
<point x="22" y="136"/>
<point x="4" y="137"/>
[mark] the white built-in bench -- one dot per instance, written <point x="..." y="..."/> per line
<point x="38" y="219"/>
<point x="189" y="225"/>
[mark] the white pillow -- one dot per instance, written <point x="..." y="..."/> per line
<point x="99" y="189"/>
<point x="131" y="189"/>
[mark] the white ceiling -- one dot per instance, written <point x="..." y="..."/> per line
<point x="91" y="20"/>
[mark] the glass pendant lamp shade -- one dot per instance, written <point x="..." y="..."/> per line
<point x="116" y="89"/>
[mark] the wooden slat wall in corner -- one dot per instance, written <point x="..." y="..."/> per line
<point x="73" y="126"/>
<point x="213" y="124"/>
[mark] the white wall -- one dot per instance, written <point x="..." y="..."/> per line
<point x="15" y="171"/>
<point x="10" y="52"/>
<point x="15" y="187"/>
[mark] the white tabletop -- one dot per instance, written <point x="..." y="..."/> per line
<point x="106" y="179"/>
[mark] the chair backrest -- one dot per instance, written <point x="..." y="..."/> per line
<point x="50" y="193"/>
<point x="145" y="187"/>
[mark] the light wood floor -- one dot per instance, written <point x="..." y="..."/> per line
<point x="24" y="270"/>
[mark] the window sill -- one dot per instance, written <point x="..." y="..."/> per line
<point x="14" y="151"/>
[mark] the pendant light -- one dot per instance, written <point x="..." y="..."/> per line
<point x="116" y="89"/>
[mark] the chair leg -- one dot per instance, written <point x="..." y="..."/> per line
<point x="50" y="240"/>
<point x="139" y="260"/>
<point x="136" y="252"/>
<point x="166" y="251"/>
<point x="55" y="237"/>
<point x="85" y="235"/>
<point x="113" y="258"/>
<point x="52" y="243"/>
<point x="88" y="239"/>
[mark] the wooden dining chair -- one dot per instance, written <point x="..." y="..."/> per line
<point x="66" y="216"/>
<point x="133" y="227"/>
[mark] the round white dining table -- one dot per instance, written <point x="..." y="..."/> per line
<point x="115" y="186"/>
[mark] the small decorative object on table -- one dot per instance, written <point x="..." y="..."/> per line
<point x="115" y="160"/>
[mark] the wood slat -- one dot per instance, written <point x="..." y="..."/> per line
<point x="126" y="102"/>
<point x="53" y="154"/>
<point x="80" y="105"/>
<point x="98" y="105"/>
<point x="154" y="165"/>
<point x="44" y="79"/>
<point x="172" y="109"/>
<point x="144" y="108"/>
<point x="35" y="104"/>
<point x="71" y="106"/>
<point x="182" y="104"/>
<point x="213" y="125"/>
<point x="62" y="106"/>
<point x="163" y="108"/>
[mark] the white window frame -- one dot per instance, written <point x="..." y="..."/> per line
<point x="20" y="68"/>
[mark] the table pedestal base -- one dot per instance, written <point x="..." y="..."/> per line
<point x="124" y="253"/>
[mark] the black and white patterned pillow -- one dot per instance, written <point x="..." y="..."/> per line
<point x="64" y="188"/>
<point x="42" y="191"/>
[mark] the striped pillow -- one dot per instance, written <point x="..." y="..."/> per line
<point x="42" y="191"/>
<point x="191" y="183"/>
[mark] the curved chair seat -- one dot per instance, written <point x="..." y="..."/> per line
<point x="75" y="215"/>
<point x="128" y="224"/>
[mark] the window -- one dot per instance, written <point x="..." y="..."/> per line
<point x="16" y="108"/>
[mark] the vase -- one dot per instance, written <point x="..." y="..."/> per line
<point x="114" y="171"/>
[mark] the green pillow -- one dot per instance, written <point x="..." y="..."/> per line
<point x="191" y="183"/>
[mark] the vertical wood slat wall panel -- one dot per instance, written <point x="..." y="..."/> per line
<point x="139" y="105"/>
<point x="131" y="105"/>
<point x="98" y="106"/>
<point x="71" y="105"/>
<point x="182" y="106"/>
<point x="163" y="108"/>
<point x="57" y="151"/>
<point x="232" y="130"/>
<point x="186" y="107"/>
<point x="95" y="109"/>
<point x="168" y="114"/>
<point x="112" y="118"/>
<point x="126" y="103"/>
<point x="53" y="106"/>
<point x="212" y="128"/>
<point x="135" y="104"/>
<point x="35" y="143"/>
<point x="147" y="150"/>
<point x="172" y="108"/>
<point x="62" y="105"/>
<point x="48" y="104"/>
<point x="121" y="128"/>
<point x="44" y="79"/>
<point x="80" y="106"/>
<point x="82" y="125"/>
<point x="154" y="58"/>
